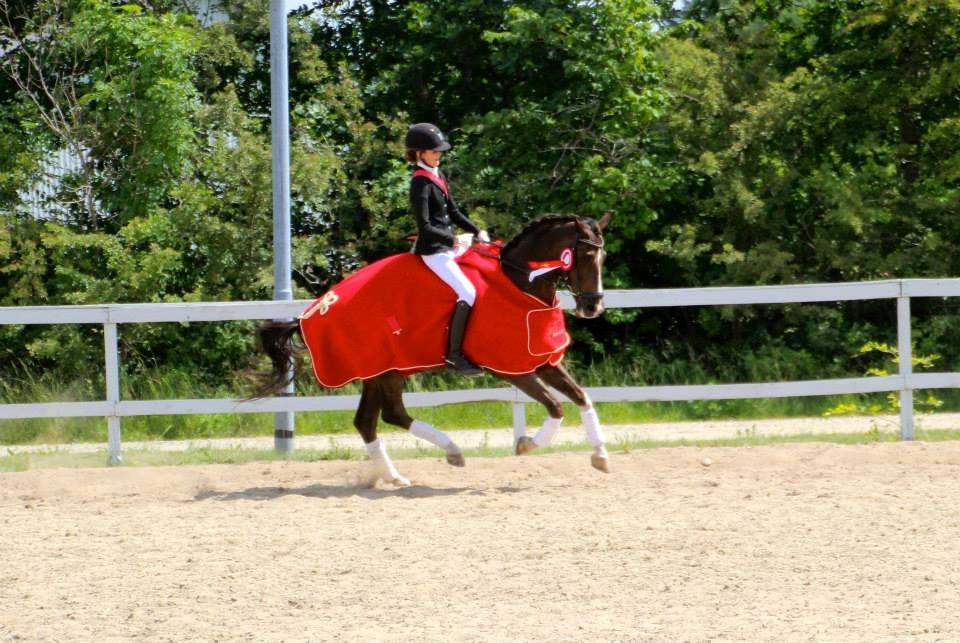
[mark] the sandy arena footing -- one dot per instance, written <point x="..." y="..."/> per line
<point x="792" y="542"/>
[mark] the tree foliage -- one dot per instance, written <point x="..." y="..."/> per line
<point x="760" y="142"/>
<point x="113" y="86"/>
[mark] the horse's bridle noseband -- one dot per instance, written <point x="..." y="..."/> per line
<point x="586" y="297"/>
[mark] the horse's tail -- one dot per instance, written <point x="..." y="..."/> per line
<point x="278" y="341"/>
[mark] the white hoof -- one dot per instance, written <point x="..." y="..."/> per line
<point x="388" y="474"/>
<point x="397" y="481"/>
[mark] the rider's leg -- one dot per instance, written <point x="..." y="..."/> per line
<point x="443" y="265"/>
<point x="458" y="330"/>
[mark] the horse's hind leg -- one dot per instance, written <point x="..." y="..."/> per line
<point x="371" y="400"/>
<point x="394" y="412"/>
<point x="558" y="377"/>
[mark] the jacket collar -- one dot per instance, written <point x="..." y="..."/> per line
<point x="432" y="170"/>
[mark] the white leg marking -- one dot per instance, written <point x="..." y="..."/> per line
<point x="427" y="432"/>
<point x="591" y="423"/>
<point x="549" y="429"/>
<point x="384" y="466"/>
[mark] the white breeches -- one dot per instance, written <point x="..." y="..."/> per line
<point x="443" y="266"/>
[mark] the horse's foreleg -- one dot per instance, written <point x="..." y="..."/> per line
<point x="395" y="413"/>
<point x="558" y="377"/>
<point x="532" y="386"/>
<point x="371" y="401"/>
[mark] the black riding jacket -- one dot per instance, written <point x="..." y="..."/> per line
<point x="436" y="213"/>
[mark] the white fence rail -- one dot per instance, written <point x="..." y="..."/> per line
<point x="113" y="408"/>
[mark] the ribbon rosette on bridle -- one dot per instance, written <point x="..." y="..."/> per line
<point x="564" y="263"/>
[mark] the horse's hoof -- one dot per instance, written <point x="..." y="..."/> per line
<point x="600" y="463"/>
<point x="525" y="445"/>
<point x="456" y="460"/>
<point x="399" y="481"/>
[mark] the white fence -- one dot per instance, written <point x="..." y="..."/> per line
<point x="113" y="408"/>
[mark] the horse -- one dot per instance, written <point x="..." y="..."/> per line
<point x="530" y="261"/>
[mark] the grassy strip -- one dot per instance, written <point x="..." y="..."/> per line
<point x="58" y="458"/>
<point x="448" y="417"/>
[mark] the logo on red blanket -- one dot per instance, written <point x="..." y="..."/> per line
<point x="322" y="305"/>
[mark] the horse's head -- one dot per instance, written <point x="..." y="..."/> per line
<point x="585" y="275"/>
<point x="560" y="245"/>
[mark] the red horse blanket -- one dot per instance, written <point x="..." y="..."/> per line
<point x="394" y="315"/>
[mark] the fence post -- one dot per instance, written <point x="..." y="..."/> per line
<point x="283" y="424"/>
<point x="905" y="353"/>
<point x="112" y="360"/>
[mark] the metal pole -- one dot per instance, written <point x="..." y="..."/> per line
<point x="905" y="353"/>
<point x="112" y="358"/>
<point x="280" y="121"/>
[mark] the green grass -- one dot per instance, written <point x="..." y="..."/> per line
<point x="476" y="415"/>
<point x="194" y="455"/>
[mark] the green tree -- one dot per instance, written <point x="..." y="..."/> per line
<point x="830" y="163"/>
<point x="575" y="132"/>
<point x="548" y="102"/>
<point x="112" y="85"/>
<point x="811" y="140"/>
<point x="198" y="225"/>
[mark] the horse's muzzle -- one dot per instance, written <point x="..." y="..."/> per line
<point x="589" y="304"/>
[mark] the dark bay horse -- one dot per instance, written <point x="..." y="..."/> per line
<point x="547" y="250"/>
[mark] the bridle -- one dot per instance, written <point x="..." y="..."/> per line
<point x="586" y="297"/>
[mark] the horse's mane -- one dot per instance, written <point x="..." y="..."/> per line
<point x="535" y="225"/>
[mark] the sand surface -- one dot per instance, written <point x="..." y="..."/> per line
<point x="802" y="542"/>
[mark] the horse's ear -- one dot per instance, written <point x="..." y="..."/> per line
<point x="604" y="220"/>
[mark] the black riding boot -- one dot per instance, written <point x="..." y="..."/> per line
<point x="458" y="326"/>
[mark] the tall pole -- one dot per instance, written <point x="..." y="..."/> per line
<point x="280" y="121"/>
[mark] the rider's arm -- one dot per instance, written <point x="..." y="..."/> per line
<point x="458" y="217"/>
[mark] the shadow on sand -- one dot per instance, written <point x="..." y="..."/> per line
<point x="342" y="491"/>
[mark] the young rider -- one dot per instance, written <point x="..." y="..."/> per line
<point x="436" y="213"/>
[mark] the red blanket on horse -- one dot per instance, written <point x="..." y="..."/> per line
<point x="394" y="315"/>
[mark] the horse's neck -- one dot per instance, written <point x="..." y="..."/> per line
<point x="543" y="287"/>
<point x="528" y="249"/>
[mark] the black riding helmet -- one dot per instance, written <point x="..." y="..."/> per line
<point x="426" y="136"/>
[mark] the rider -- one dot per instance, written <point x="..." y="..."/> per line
<point x="436" y="212"/>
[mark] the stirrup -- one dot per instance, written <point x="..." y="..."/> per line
<point x="462" y="366"/>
